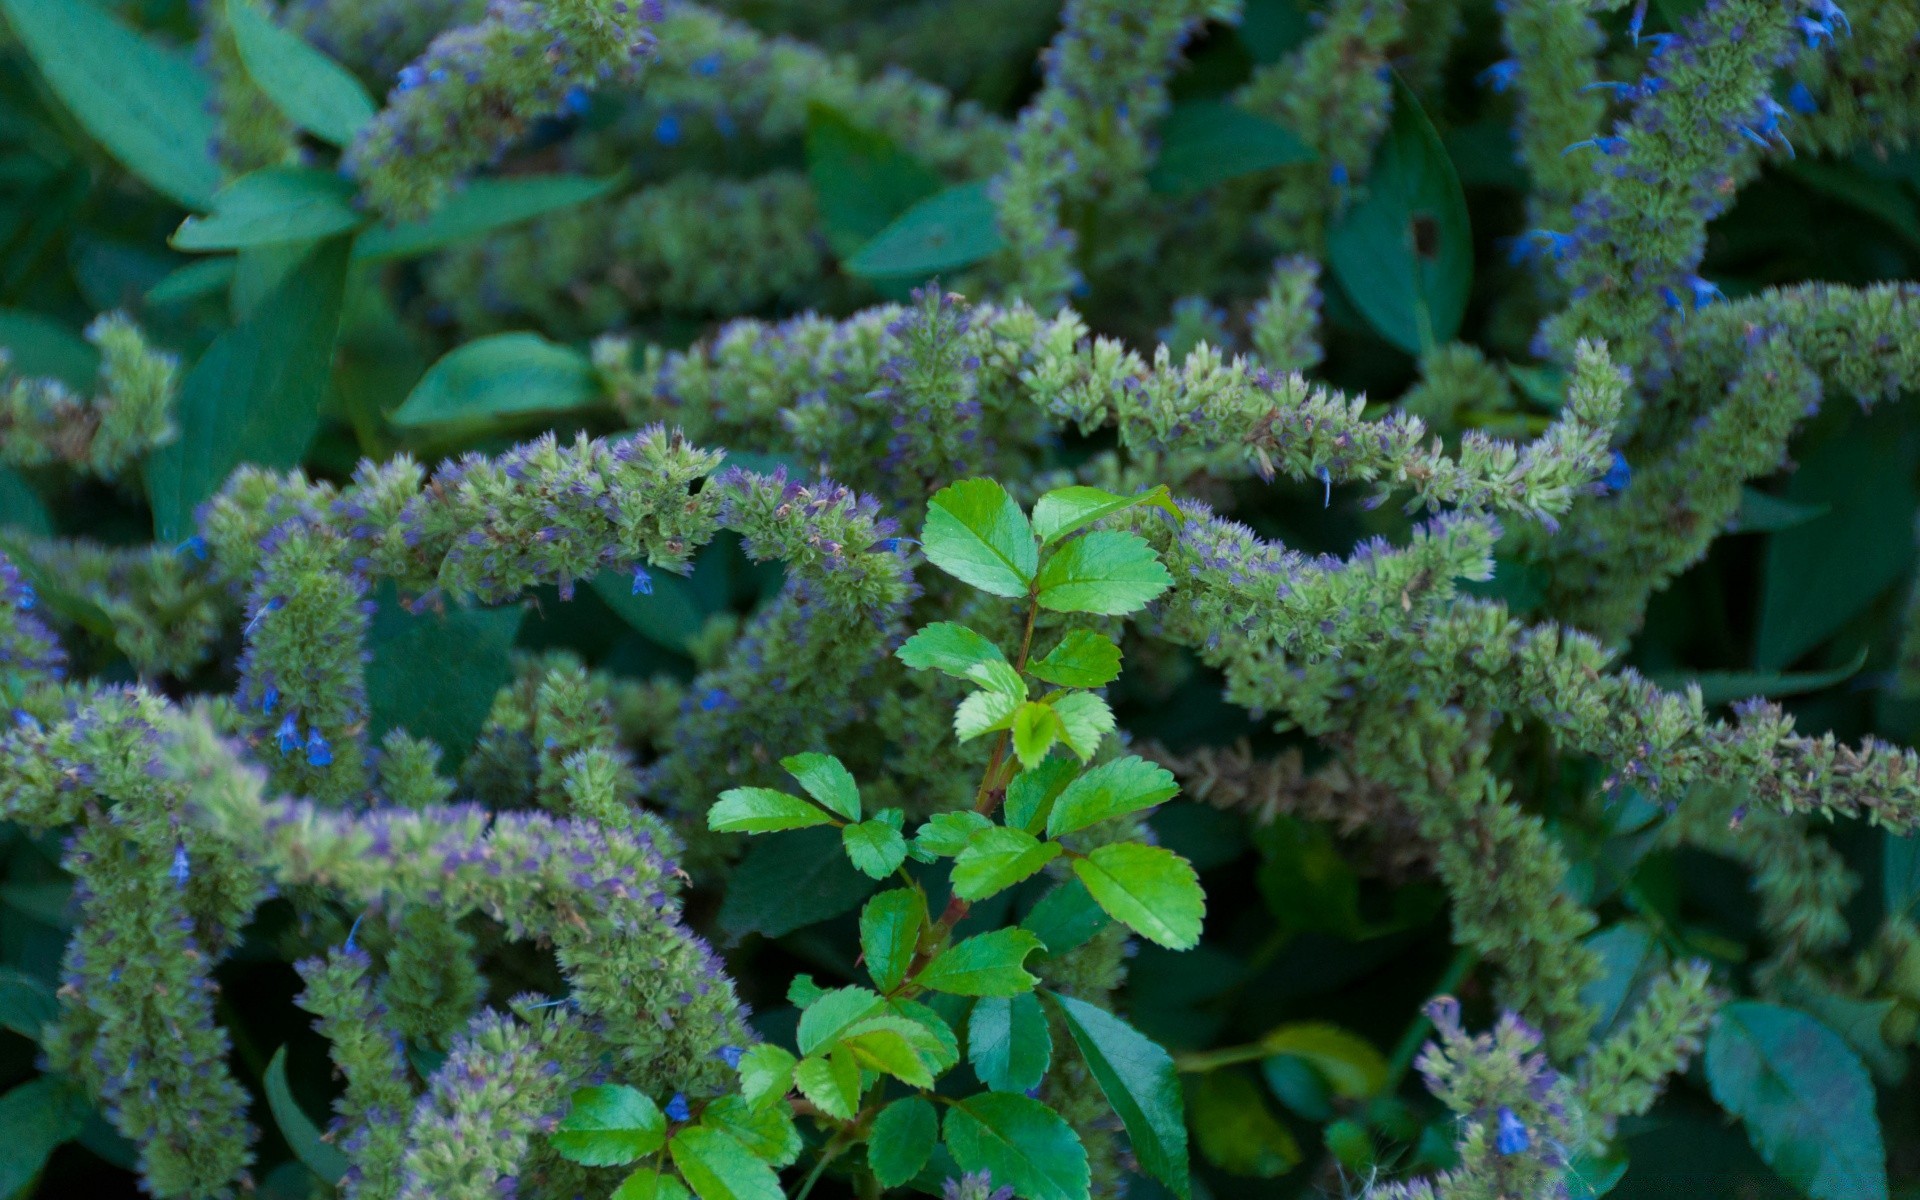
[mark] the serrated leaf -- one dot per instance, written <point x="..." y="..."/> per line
<point x="996" y="858"/>
<point x="26" y="1004"/>
<point x="1140" y="1082"/>
<point x="984" y="712"/>
<point x="948" y="230"/>
<point x="1208" y="142"/>
<point x="36" y="1118"/>
<point x="960" y="652"/>
<point x="1806" y="1101"/>
<point x="886" y="1049"/>
<point x="987" y="964"/>
<point x="1068" y="509"/>
<point x="890" y="928"/>
<point x="1116" y="789"/>
<point x="649" y="1184"/>
<point x="1066" y="918"/>
<point x="1036" y="727"/>
<point x="500" y="376"/>
<point x="610" y="1125"/>
<point x="313" y="91"/>
<point x="146" y="103"/>
<point x="1105" y="572"/>
<point x="1235" y="1129"/>
<point x="831" y="1082"/>
<point x="480" y="207"/>
<point x="939" y="1045"/>
<point x="947" y="834"/>
<point x="875" y="847"/>
<point x="832" y="1012"/>
<point x="302" y="1135"/>
<point x="1032" y="793"/>
<point x="270" y="207"/>
<point x="1149" y="889"/>
<point x="1083" y="659"/>
<point x="767" y="1131"/>
<point x="901" y="1140"/>
<point x="762" y="810"/>
<point x="1022" y="1143"/>
<point x="827" y="780"/>
<point x="1008" y="1043"/>
<point x="791" y="881"/>
<point x="1353" y="1068"/>
<point x="1085" y="719"/>
<point x="717" y="1167"/>
<point x="978" y="535"/>
<point x="766" y="1074"/>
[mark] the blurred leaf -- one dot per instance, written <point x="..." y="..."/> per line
<point x="148" y="104"/>
<point x="1138" y="1079"/>
<point x="480" y="207"/>
<point x="791" y="881"/>
<point x="1404" y="253"/>
<point x="1764" y="513"/>
<point x="1724" y="687"/>
<point x="35" y="1119"/>
<point x="1630" y="960"/>
<point x="667" y="614"/>
<point x="1881" y="198"/>
<point x="862" y="179"/>
<point x="1352" y="1066"/>
<point x="303" y="1136"/>
<point x="507" y="374"/>
<point x="1900" y="873"/>
<point x="313" y="91"/>
<point x="254" y="396"/>
<point x="1270" y="28"/>
<point x="1807" y="1103"/>
<point x="26" y="1005"/>
<point x="946" y="231"/>
<point x="1023" y="1143"/>
<point x="1235" y="1129"/>
<point x="278" y="204"/>
<point x="1204" y="143"/>
<point x="40" y="348"/>
<point x="435" y="674"/>
<point x="20" y="506"/>
<point x="207" y="277"/>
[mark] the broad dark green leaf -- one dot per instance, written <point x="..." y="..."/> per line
<point x="1631" y="959"/>
<point x="205" y="277"/>
<point x="1008" y="1043"/>
<point x="890" y="927"/>
<point x="41" y="348"/>
<point x="862" y="179"/>
<point x="1235" y="1129"/>
<point x="1764" y="513"/>
<point x="1807" y="1103"/>
<point x="505" y="375"/>
<point x="1140" y="1082"/>
<point x="1725" y="687"/>
<point x="1150" y="889"/>
<point x="1404" y="253"/>
<point x="668" y="615"/>
<point x="1065" y="918"/>
<point x="480" y="207"/>
<point x="35" y="1119"/>
<point x="1351" y="1065"/>
<point x="610" y="1125"/>
<point x="302" y="1135"/>
<point x="1881" y="198"/>
<point x="1900" y="873"/>
<point x="1208" y="142"/>
<point x="271" y="206"/>
<point x="1107" y="572"/>
<point x="1116" y="789"/>
<point x="946" y="231"/>
<point x="978" y="535"/>
<point x="987" y="964"/>
<point x="1023" y="1143"/>
<point x="791" y="881"/>
<point x="26" y="1004"/>
<point x="255" y="394"/>
<point x="314" y="92"/>
<point x="717" y="1167"/>
<point x="435" y="674"/>
<point x="901" y="1140"/>
<point x="21" y="507"/>
<point x="148" y="104"/>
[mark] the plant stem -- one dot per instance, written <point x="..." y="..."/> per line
<point x="1463" y="962"/>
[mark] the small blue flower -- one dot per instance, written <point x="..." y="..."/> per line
<point x="1608" y="146"/>
<point x="1800" y="97"/>
<point x="667" y="132"/>
<point x="354" y="932"/>
<point x="196" y="546"/>
<point x="319" y="753"/>
<point x="677" y="1109"/>
<point x="288" y="735"/>
<point x="1512" y="1136"/>
<point x="1618" y="473"/>
<point x="25" y="598"/>
<point x="1326" y="478"/>
<point x="268" y="699"/>
<point x="181" y="869"/>
<point x="1499" y="76"/>
<point x="708" y="64"/>
<point x="731" y="1055"/>
<point x="1339" y="175"/>
<point x="576" y="101"/>
<point x="642" y="582"/>
<point x="411" y="77"/>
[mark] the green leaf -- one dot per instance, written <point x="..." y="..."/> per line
<point x="38" y="348"/>
<point x="1724" y="687"/>
<point x="1036" y="727"/>
<point x="670" y="615"/>
<point x="1106" y="572"/>
<point x="146" y="103"/>
<point x="902" y="1140"/>
<point x="946" y="231"/>
<point x="1085" y="719"/>
<point x="313" y="91"/>
<point x="890" y="928"/>
<point x="862" y="179"/>
<point x="882" y="1045"/>
<point x="302" y="1135"/>
<point x="766" y="1074"/>
<point x="831" y="1082"/>
<point x="480" y="207"/>
<point x="978" y="535"/>
<point x="1066" y="918"/>
<point x="255" y="394"/>
<point x="1083" y="659"/>
<point x="832" y="1013"/>
<point x="36" y="1118"/>
<point x="1762" y="513"/>
<point x="26" y="1005"/>
<point x="767" y="1131"/>
<point x="1116" y="789"/>
<point x="1404" y="253"/>
<point x="964" y="654"/>
<point x="827" y="780"/>
<point x="200" y="278"/>
<point x="1900" y="873"/>
<point x="1032" y="793"/>
<point x="1008" y="1043"/>
<point x="273" y="206"/>
<point x="1024" y="1144"/>
<point x="1236" y="1130"/>
<point x="1806" y="1101"/>
<point x="505" y="375"/>
<point x="762" y="810"/>
<point x="1150" y="889"/>
<point x="436" y="674"/>
<point x="610" y="1125"/>
<point x="1308" y="886"/>
<point x="649" y="1184"/>
<point x="947" y="834"/>
<point x="985" y="712"/>
<point x="1208" y="142"/>
<point x="1140" y="1082"/>
<point x="717" y="1167"/>
<point x="1350" y="1064"/>
<point x="1631" y="959"/>
<point x="938" y="1044"/>
<point x="875" y="847"/>
<point x="1065" y="510"/>
<point x="985" y="965"/>
<point x="996" y="858"/>
<point x="789" y="882"/>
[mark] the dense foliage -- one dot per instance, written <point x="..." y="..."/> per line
<point x="975" y="597"/>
